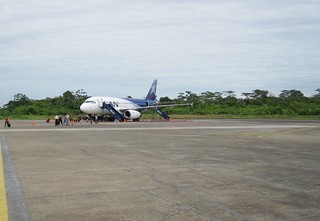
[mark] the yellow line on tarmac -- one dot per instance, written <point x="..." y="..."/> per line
<point x="3" y="197"/>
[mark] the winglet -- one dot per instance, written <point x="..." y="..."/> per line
<point x="152" y="91"/>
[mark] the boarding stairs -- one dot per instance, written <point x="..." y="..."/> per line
<point x="163" y="114"/>
<point x="113" y="111"/>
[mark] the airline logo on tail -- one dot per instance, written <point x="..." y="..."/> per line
<point x="152" y="92"/>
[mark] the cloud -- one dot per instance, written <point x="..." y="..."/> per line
<point x="118" y="47"/>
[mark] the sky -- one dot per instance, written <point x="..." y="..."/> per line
<point x="118" y="47"/>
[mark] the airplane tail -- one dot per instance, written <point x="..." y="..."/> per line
<point x="152" y="91"/>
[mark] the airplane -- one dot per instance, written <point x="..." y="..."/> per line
<point x="123" y="109"/>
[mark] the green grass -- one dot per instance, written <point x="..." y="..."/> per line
<point x="192" y="116"/>
<point x="183" y="116"/>
<point x="27" y="117"/>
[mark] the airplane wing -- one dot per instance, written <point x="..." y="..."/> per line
<point x="155" y="106"/>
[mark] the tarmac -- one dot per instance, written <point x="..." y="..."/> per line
<point x="165" y="171"/>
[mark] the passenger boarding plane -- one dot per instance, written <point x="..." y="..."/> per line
<point x="122" y="109"/>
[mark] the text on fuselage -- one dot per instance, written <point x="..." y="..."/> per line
<point x="114" y="103"/>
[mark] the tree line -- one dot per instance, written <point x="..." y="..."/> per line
<point x="256" y="103"/>
<point x="289" y="103"/>
<point x="68" y="102"/>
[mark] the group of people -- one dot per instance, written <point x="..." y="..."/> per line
<point x="59" y="120"/>
<point x="93" y="118"/>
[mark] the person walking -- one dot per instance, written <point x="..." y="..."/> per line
<point x="67" y="119"/>
<point x="7" y="122"/>
<point x="60" y="120"/>
<point x="56" y="120"/>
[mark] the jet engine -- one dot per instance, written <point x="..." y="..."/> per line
<point x="132" y="114"/>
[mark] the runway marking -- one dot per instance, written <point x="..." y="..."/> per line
<point x="159" y="128"/>
<point x="16" y="208"/>
<point x="3" y="194"/>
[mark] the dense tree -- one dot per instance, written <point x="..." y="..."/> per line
<point x="22" y="105"/>
<point x="291" y="94"/>
<point x="318" y="94"/>
<point x="256" y="103"/>
<point x="21" y="98"/>
<point x="165" y="100"/>
<point x="259" y="94"/>
<point x="207" y="96"/>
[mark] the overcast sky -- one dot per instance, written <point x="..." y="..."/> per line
<point x="117" y="47"/>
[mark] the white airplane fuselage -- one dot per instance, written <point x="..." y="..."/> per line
<point x="93" y="105"/>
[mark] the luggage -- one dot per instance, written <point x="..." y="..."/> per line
<point x="9" y="125"/>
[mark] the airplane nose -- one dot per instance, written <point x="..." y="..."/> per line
<point x="84" y="108"/>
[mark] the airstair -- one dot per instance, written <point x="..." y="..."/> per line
<point x="113" y="111"/>
<point x="163" y="114"/>
<point x="117" y="116"/>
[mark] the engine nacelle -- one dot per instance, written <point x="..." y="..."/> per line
<point x="132" y="114"/>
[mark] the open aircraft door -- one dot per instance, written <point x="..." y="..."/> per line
<point x="100" y="102"/>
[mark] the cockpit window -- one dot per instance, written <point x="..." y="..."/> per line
<point x="90" y="102"/>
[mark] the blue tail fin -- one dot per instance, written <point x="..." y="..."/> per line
<point x="152" y="91"/>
